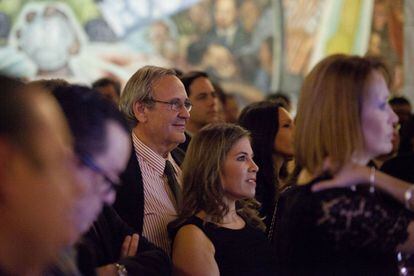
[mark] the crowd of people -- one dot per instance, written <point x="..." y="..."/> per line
<point x="158" y="179"/>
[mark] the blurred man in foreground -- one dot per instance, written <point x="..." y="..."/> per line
<point x="37" y="189"/>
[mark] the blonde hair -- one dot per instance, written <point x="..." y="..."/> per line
<point x="139" y="89"/>
<point x="329" y="110"/>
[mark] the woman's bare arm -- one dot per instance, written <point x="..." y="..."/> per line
<point x="193" y="253"/>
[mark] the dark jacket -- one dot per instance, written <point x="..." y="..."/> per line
<point x="130" y="196"/>
<point x="101" y="245"/>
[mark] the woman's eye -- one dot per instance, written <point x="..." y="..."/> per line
<point x="383" y="105"/>
<point x="241" y="158"/>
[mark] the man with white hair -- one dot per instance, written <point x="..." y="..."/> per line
<point x="155" y="102"/>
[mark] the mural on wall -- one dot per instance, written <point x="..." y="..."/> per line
<point x="83" y="40"/>
<point x="345" y="28"/>
<point x="302" y="20"/>
<point x="235" y="44"/>
<point x="386" y="38"/>
<point x="72" y="39"/>
<point x="252" y="47"/>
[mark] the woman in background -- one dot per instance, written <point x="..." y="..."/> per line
<point x="271" y="128"/>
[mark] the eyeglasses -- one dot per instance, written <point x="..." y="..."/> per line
<point x="176" y="104"/>
<point x="91" y="164"/>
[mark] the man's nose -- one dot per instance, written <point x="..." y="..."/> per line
<point x="184" y="113"/>
<point x="213" y="100"/>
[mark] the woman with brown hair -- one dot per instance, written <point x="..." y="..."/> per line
<point x="343" y="115"/>
<point x="271" y="128"/>
<point x="217" y="232"/>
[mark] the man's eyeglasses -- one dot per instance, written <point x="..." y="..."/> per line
<point x="91" y="164"/>
<point x="176" y="104"/>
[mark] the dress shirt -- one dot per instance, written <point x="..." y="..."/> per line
<point x="159" y="207"/>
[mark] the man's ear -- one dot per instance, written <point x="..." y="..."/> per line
<point x="140" y="111"/>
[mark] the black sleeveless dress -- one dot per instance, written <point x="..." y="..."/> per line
<point x="244" y="251"/>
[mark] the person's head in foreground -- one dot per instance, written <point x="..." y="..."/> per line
<point x="102" y="147"/>
<point x="37" y="187"/>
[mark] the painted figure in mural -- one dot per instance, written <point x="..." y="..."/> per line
<point x="249" y="16"/>
<point x="92" y="40"/>
<point x="226" y="30"/>
<point x="263" y="75"/>
<point x="46" y="34"/>
<point x="386" y="37"/>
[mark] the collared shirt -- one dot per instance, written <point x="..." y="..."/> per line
<point x="159" y="204"/>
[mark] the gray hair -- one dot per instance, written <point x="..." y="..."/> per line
<point x="139" y="88"/>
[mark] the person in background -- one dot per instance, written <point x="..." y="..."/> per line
<point x="231" y="108"/>
<point x="402" y="165"/>
<point x="37" y="184"/>
<point x="218" y="232"/>
<point x="271" y="127"/>
<point x="401" y="107"/>
<point x="178" y="72"/>
<point x="205" y="101"/>
<point x="406" y="145"/>
<point x="109" y="88"/>
<point x="282" y="99"/>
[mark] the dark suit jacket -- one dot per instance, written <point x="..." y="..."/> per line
<point x="130" y="196"/>
<point x="101" y="245"/>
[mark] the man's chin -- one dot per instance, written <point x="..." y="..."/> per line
<point x="180" y="138"/>
<point x="84" y="226"/>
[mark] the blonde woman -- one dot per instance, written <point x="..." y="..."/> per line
<point x="343" y="115"/>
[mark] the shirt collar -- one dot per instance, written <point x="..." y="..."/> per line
<point x="154" y="160"/>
